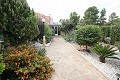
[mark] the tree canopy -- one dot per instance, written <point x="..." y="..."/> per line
<point x="114" y="20"/>
<point x="102" y="17"/>
<point x="17" y="21"/>
<point x="91" y="16"/>
<point x="70" y="24"/>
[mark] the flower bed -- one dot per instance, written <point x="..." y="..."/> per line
<point x="24" y="63"/>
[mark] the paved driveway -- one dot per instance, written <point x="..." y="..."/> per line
<point x="69" y="64"/>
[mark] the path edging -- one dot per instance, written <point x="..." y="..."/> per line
<point x="90" y="62"/>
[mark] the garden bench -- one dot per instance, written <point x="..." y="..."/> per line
<point x="118" y="76"/>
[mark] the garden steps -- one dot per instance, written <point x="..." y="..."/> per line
<point x="69" y="64"/>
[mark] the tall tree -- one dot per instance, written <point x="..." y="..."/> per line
<point x="102" y="17"/>
<point x="114" y="20"/>
<point x="113" y="16"/>
<point x="91" y="15"/>
<point x="82" y="22"/>
<point x="68" y="25"/>
<point x="74" y="18"/>
<point x="18" y="22"/>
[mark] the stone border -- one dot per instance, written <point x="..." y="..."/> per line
<point x="107" y="76"/>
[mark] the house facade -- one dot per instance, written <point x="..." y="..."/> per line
<point x="48" y="19"/>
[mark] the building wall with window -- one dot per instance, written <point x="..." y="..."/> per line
<point x="48" y="19"/>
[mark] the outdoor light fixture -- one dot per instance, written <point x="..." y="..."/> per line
<point x="43" y="20"/>
<point x="44" y="40"/>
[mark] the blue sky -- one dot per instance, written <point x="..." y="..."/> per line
<point x="60" y="9"/>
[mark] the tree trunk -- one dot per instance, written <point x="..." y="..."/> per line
<point x="80" y="48"/>
<point x="86" y="47"/>
<point x="102" y="59"/>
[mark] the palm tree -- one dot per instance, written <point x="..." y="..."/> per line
<point x="104" y="52"/>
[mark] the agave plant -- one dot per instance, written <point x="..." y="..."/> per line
<point x="104" y="52"/>
<point x="42" y="52"/>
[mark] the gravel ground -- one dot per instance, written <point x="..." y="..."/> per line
<point x="110" y="68"/>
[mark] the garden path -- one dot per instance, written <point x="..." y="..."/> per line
<point x="69" y="64"/>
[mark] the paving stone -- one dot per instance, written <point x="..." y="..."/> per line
<point x="69" y="64"/>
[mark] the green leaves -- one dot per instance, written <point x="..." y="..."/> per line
<point x="91" y="16"/>
<point x="18" y="23"/>
<point x="48" y="33"/>
<point x="102" y="17"/>
<point x="87" y="35"/>
<point x="118" y="45"/>
<point x="42" y="52"/>
<point x="68" y="25"/>
<point x="2" y="67"/>
<point x="104" y="51"/>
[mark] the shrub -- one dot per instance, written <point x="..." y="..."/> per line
<point x="2" y="65"/>
<point x="104" y="52"/>
<point x="24" y="63"/>
<point x="87" y="35"/>
<point x="18" y="23"/>
<point x="48" y="33"/>
<point x="105" y="30"/>
<point x="70" y="37"/>
<point x="115" y="34"/>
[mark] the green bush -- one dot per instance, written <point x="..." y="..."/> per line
<point x="48" y="33"/>
<point x="69" y="37"/>
<point x="24" y="63"/>
<point x="115" y="34"/>
<point x="2" y="65"/>
<point x="88" y="35"/>
<point x="18" y="22"/>
<point x="105" y="31"/>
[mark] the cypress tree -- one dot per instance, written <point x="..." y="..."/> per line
<point x="17" y="21"/>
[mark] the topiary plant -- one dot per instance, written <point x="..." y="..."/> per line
<point x="88" y="35"/>
<point x="2" y="65"/>
<point x="104" y="52"/>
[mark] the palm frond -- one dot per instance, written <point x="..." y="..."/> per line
<point x="104" y="51"/>
<point x="114" y="58"/>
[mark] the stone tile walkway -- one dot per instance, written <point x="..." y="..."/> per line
<point x="69" y="64"/>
